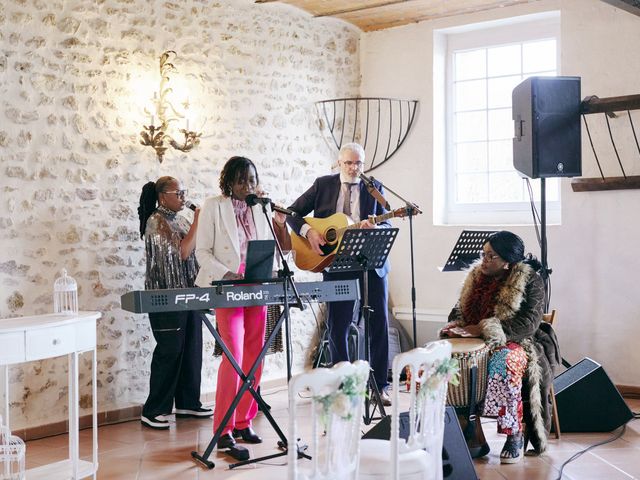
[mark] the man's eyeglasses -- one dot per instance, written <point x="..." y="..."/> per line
<point x="349" y="163"/>
<point x="179" y="193"/>
<point x="489" y="256"/>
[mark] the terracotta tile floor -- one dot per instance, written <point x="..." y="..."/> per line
<point x="130" y="451"/>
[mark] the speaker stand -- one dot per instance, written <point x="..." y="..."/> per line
<point x="545" y="272"/>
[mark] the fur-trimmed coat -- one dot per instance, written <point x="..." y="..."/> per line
<point x="517" y="317"/>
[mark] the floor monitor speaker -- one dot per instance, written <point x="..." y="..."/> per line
<point x="456" y="460"/>
<point x="588" y="401"/>
<point x="546" y="115"/>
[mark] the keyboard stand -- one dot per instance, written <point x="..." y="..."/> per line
<point x="247" y="385"/>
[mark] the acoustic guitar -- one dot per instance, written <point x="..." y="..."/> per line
<point x="332" y="230"/>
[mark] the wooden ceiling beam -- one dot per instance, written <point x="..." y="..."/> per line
<point x="370" y="15"/>
<point x="362" y="9"/>
<point x="394" y="16"/>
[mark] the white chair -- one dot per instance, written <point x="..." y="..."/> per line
<point x="420" y="456"/>
<point x="337" y="398"/>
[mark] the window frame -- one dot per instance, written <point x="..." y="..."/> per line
<point x="486" y="35"/>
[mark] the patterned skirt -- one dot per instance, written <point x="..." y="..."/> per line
<point x="507" y="366"/>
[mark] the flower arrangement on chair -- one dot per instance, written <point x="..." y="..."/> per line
<point x="343" y="401"/>
<point x="447" y="371"/>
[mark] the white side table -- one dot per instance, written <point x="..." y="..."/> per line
<point x="25" y="339"/>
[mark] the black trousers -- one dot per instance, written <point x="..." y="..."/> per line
<point x="176" y="362"/>
<point x="342" y="314"/>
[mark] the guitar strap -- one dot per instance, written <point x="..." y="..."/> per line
<point x="373" y="191"/>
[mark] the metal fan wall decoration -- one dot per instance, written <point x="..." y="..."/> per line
<point x="380" y="125"/>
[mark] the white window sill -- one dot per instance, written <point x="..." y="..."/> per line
<point x="404" y="313"/>
<point x="469" y="217"/>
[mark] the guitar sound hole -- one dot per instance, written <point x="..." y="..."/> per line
<point x="331" y="235"/>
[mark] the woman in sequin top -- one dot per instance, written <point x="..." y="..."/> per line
<point x="171" y="263"/>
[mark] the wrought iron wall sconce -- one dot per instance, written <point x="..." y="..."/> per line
<point x="380" y="125"/>
<point x="158" y="137"/>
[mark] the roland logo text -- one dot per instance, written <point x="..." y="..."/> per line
<point x="239" y="296"/>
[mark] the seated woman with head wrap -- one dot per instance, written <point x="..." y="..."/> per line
<point x="502" y="302"/>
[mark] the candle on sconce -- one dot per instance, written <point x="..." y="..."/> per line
<point x="187" y="125"/>
<point x="154" y="106"/>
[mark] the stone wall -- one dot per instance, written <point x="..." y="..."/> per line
<point x="75" y="77"/>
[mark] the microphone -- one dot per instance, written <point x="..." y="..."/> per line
<point x="191" y="205"/>
<point x="252" y="199"/>
<point x="286" y="211"/>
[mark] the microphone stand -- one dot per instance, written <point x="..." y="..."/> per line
<point x="287" y="275"/>
<point x="412" y="210"/>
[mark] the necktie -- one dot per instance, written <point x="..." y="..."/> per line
<point x="346" y="209"/>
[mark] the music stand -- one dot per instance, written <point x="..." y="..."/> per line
<point x="362" y="250"/>
<point x="466" y="250"/>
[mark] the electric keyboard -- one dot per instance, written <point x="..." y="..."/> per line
<point x="226" y="296"/>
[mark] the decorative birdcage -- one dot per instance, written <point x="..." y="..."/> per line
<point x="12" y="452"/>
<point x="65" y="294"/>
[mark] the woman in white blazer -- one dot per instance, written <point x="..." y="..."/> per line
<point x="227" y="224"/>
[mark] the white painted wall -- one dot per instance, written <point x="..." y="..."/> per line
<point x="593" y="252"/>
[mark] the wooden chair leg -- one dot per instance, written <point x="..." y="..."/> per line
<point x="554" y="413"/>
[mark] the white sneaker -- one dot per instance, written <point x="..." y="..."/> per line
<point x="158" y="422"/>
<point x="193" y="412"/>
<point x="385" y="398"/>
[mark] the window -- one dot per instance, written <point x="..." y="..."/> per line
<point x="483" y="67"/>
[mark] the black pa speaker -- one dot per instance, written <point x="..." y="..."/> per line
<point x="588" y="401"/>
<point x="547" y="138"/>
<point x="456" y="460"/>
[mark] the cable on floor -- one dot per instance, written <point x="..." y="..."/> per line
<point x="591" y="447"/>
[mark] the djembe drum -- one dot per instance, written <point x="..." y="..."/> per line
<point x="468" y="396"/>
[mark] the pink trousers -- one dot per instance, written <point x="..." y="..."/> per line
<point x="242" y="330"/>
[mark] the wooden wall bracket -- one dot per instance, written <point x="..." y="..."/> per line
<point x="610" y="183"/>
<point x="608" y="106"/>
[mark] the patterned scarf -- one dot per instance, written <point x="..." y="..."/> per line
<point x="246" y="227"/>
